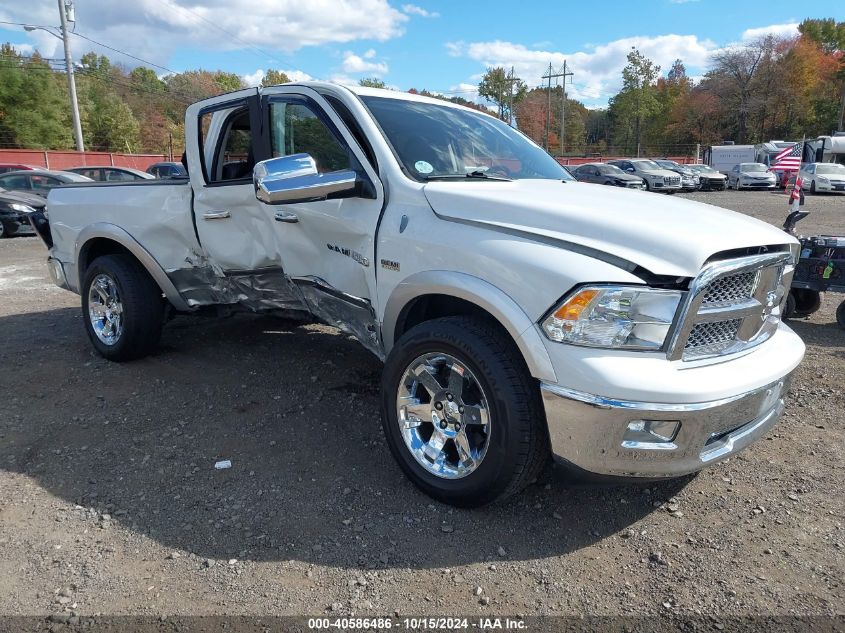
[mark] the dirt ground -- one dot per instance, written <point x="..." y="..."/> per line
<point x="110" y="502"/>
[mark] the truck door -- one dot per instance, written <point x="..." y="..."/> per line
<point x="236" y="234"/>
<point x="327" y="247"/>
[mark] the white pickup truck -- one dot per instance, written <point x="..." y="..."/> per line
<point x="519" y="313"/>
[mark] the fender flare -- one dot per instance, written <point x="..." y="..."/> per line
<point x="483" y="294"/>
<point x="112" y="232"/>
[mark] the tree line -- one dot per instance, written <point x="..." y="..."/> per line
<point x="774" y="87"/>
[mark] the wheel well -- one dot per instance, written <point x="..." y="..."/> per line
<point x="435" y="306"/>
<point x="98" y="247"/>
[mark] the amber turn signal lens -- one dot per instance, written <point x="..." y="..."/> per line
<point x="572" y="309"/>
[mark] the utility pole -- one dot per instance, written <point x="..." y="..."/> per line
<point x="563" y="107"/>
<point x="65" y="8"/>
<point x="511" y="80"/>
<point x="550" y="75"/>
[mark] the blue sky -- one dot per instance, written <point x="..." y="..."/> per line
<point x="439" y="45"/>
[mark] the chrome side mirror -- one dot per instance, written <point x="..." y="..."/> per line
<point x="294" y="178"/>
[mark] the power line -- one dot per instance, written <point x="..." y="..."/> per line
<point x="93" y="41"/>
<point x="116" y="50"/>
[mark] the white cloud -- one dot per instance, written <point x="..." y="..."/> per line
<point x="789" y="29"/>
<point x="466" y="90"/>
<point x="370" y="53"/>
<point x="254" y="79"/>
<point x="598" y="72"/>
<point x="412" y="9"/>
<point x="353" y="63"/>
<point x="154" y="29"/>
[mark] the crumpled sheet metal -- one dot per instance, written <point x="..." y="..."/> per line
<point x="348" y="314"/>
<point x="204" y="284"/>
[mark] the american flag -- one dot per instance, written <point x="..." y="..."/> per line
<point x="788" y="159"/>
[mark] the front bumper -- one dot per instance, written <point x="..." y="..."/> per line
<point x="714" y="184"/>
<point x="588" y="431"/>
<point x="17" y="224"/>
<point x="757" y="184"/>
<point x="830" y="186"/>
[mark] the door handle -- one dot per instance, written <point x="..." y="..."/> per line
<point x="287" y="216"/>
<point x="216" y="215"/>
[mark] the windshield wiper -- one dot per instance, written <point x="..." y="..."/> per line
<point x="475" y="175"/>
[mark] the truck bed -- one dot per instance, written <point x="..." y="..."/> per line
<point x="155" y="213"/>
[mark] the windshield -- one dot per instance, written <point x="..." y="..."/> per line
<point x="702" y="168"/>
<point x="646" y="164"/>
<point x="610" y="170"/>
<point x="433" y="141"/>
<point x="669" y="164"/>
<point x="831" y="169"/>
<point x="753" y="167"/>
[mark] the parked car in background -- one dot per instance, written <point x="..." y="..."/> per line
<point x="709" y="179"/>
<point x="7" y="167"/>
<point x="15" y="208"/>
<point x="38" y="181"/>
<point x="689" y="179"/>
<point x="603" y="174"/>
<point x="112" y="174"/>
<point x="818" y="177"/>
<point x="751" y="176"/>
<point x="167" y="170"/>
<point x="655" y="177"/>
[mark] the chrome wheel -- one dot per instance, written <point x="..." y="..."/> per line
<point x="105" y="309"/>
<point x="443" y="416"/>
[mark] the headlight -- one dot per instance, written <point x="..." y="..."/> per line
<point x="822" y="179"/>
<point x="624" y="317"/>
<point x="23" y="208"/>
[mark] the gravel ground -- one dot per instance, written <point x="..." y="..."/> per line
<point x="110" y="502"/>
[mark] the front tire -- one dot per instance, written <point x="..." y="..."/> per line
<point x="461" y="413"/>
<point x="840" y="315"/>
<point x="122" y="308"/>
<point x="813" y="187"/>
<point x="4" y="232"/>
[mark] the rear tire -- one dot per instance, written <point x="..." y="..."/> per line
<point x="498" y="389"/>
<point x="840" y="315"/>
<point x="122" y="308"/>
<point x="4" y="232"/>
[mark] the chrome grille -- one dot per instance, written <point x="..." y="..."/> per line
<point x="732" y="305"/>
<point x="730" y="288"/>
<point x="707" y="339"/>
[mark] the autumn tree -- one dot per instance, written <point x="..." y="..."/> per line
<point x="274" y="78"/>
<point x="637" y="100"/>
<point x="496" y="86"/>
<point x="372" y="82"/>
<point x="34" y="109"/>
<point x="830" y="36"/>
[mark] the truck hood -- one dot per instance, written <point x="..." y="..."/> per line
<point x="665" y="235"/>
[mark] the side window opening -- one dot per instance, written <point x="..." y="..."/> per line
<point x="296" y="128"/>
<point x="231" y="157"/>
